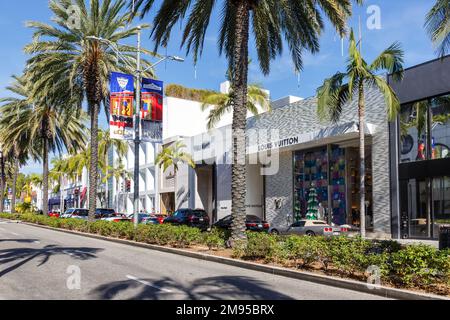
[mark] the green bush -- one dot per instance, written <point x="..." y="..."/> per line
<point x="184" y="236"/>
<point x="304" y="251"/>
<point x="261" y="245"/>
<point x="214" y="240"/>
<point x="419" y="265"/>
<point x="350" y="255"/>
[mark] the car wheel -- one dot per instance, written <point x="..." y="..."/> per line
<point x="310" y="233"/>
<point x="275" y="232"/>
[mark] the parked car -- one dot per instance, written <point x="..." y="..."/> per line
<point x="154" y="219"/>
<point x="252" y="223"/>
<point x="101" y="213"/>
<point x="116" y="217"/>
<point x="308" y="228"/>
<point x="76" y="214"/>
<point x="193" y="218"/>
<point x="141" y="217"/>
<point x="54" y="214"/>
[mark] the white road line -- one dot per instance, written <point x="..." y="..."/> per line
<point x="148" y="284"/>
<point x="13" y="233"/>
<point x="36" y="242"/>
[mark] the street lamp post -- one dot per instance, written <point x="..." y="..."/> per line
<point x="137" y="118"/>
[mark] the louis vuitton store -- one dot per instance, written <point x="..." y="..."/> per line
<point x="407" y="162"/>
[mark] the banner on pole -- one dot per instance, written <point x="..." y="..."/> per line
<point x="121" y="106"/>
<point x="152" y="110"/>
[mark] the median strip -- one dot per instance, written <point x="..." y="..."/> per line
<point x="164" y="237"/>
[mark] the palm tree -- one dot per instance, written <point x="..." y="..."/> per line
<point x="334" y="94"/>
<point x="222" y="103"/>
<point x="57" y="173"/>
<point x="300" y="23"/>
<point x="172" y="156"/>
<point x="105" y="143"/>
<point x="17" y="150"/>
<point x="17" y="157"/>
<point x="69" y="54"/>
<point x="437" y="24"/>
<point x="46" y="127"/>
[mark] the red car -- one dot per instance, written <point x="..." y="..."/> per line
<point x="54" y="214"/>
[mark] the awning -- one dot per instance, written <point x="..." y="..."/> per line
<point x="323" y="136"/>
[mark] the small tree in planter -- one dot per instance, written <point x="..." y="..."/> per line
<point x="313" y="204"/>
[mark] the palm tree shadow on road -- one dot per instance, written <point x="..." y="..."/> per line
<point x="26" y="255"/>
<point x="213" y="288"/>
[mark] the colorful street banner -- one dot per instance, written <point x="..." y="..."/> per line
<point x="152" y="110"/>
<point x="121" y="106"/>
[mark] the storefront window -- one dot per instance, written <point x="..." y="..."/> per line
<point x="425" y="125"/>
<point x="413" y="130"/>
<point x="311" y="169"/>
<point x="337" y="168"/>
<point x="441" y="202"/>
<point x="440" y="127"/>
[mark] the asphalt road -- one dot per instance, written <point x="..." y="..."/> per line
<point x="36" y="263"/>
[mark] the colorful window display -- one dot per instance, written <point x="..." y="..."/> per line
<point x="311" y="169"/>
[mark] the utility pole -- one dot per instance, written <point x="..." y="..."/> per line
<point x="137" y="133"/>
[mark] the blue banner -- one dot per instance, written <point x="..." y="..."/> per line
<point x="152" y="86"/>
<point x="121" y="83"/>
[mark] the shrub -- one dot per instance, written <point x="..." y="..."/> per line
<point x="350" y="255"/>
<point x="215" y="239"/>
<point x="184" y="236"/>
<point x="419" y="265"/>
<point x="305" y="249"/>
<point x="261" y="245"/>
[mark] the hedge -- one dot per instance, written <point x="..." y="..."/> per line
<point x="412" y="266"/>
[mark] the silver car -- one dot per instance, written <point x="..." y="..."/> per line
<point x="76" y="214"/>
<point x="307" y="228"/>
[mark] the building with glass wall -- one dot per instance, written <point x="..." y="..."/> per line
<point x="420" y="152"/>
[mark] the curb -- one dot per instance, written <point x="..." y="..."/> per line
<point x="383" y="291"/>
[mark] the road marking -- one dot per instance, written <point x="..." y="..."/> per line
<point x="13" y="233"/>
<point x="36" y="242"/>
<point x="148" y="284"/>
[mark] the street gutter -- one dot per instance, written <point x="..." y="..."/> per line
<point x="354" y="285"/>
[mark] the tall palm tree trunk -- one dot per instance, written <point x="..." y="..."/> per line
<point x="61" y="196"/>
<point x="238" y="176"/>
<point x="93" y="166"/>
<point x="14" y="186"/>
<point x="107" y="181"/>
<point x="45" y="178"/>
<point x="2" y="183"/>
<point x="362" y="158"/>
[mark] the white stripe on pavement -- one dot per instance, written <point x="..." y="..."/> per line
<point x="148" y="284"/>
<point x="15" y="234"/>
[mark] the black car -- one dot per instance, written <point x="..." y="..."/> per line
<point x="193" y="218"/>
<point x="253" y="223"/>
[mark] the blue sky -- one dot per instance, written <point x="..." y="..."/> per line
<point x="401" y="20"/>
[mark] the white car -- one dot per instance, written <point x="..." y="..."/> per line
<point x="308" y="228"/>
<point x="75" y="214"/>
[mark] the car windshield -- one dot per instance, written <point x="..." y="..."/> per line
<point x="69" y="211"/>
<point x="253" y="219"/>
<point x="179" y="214"/>
<point x="299" y="224"/>
<point x="105" y="212"/>
<point x="199" y="213"/>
